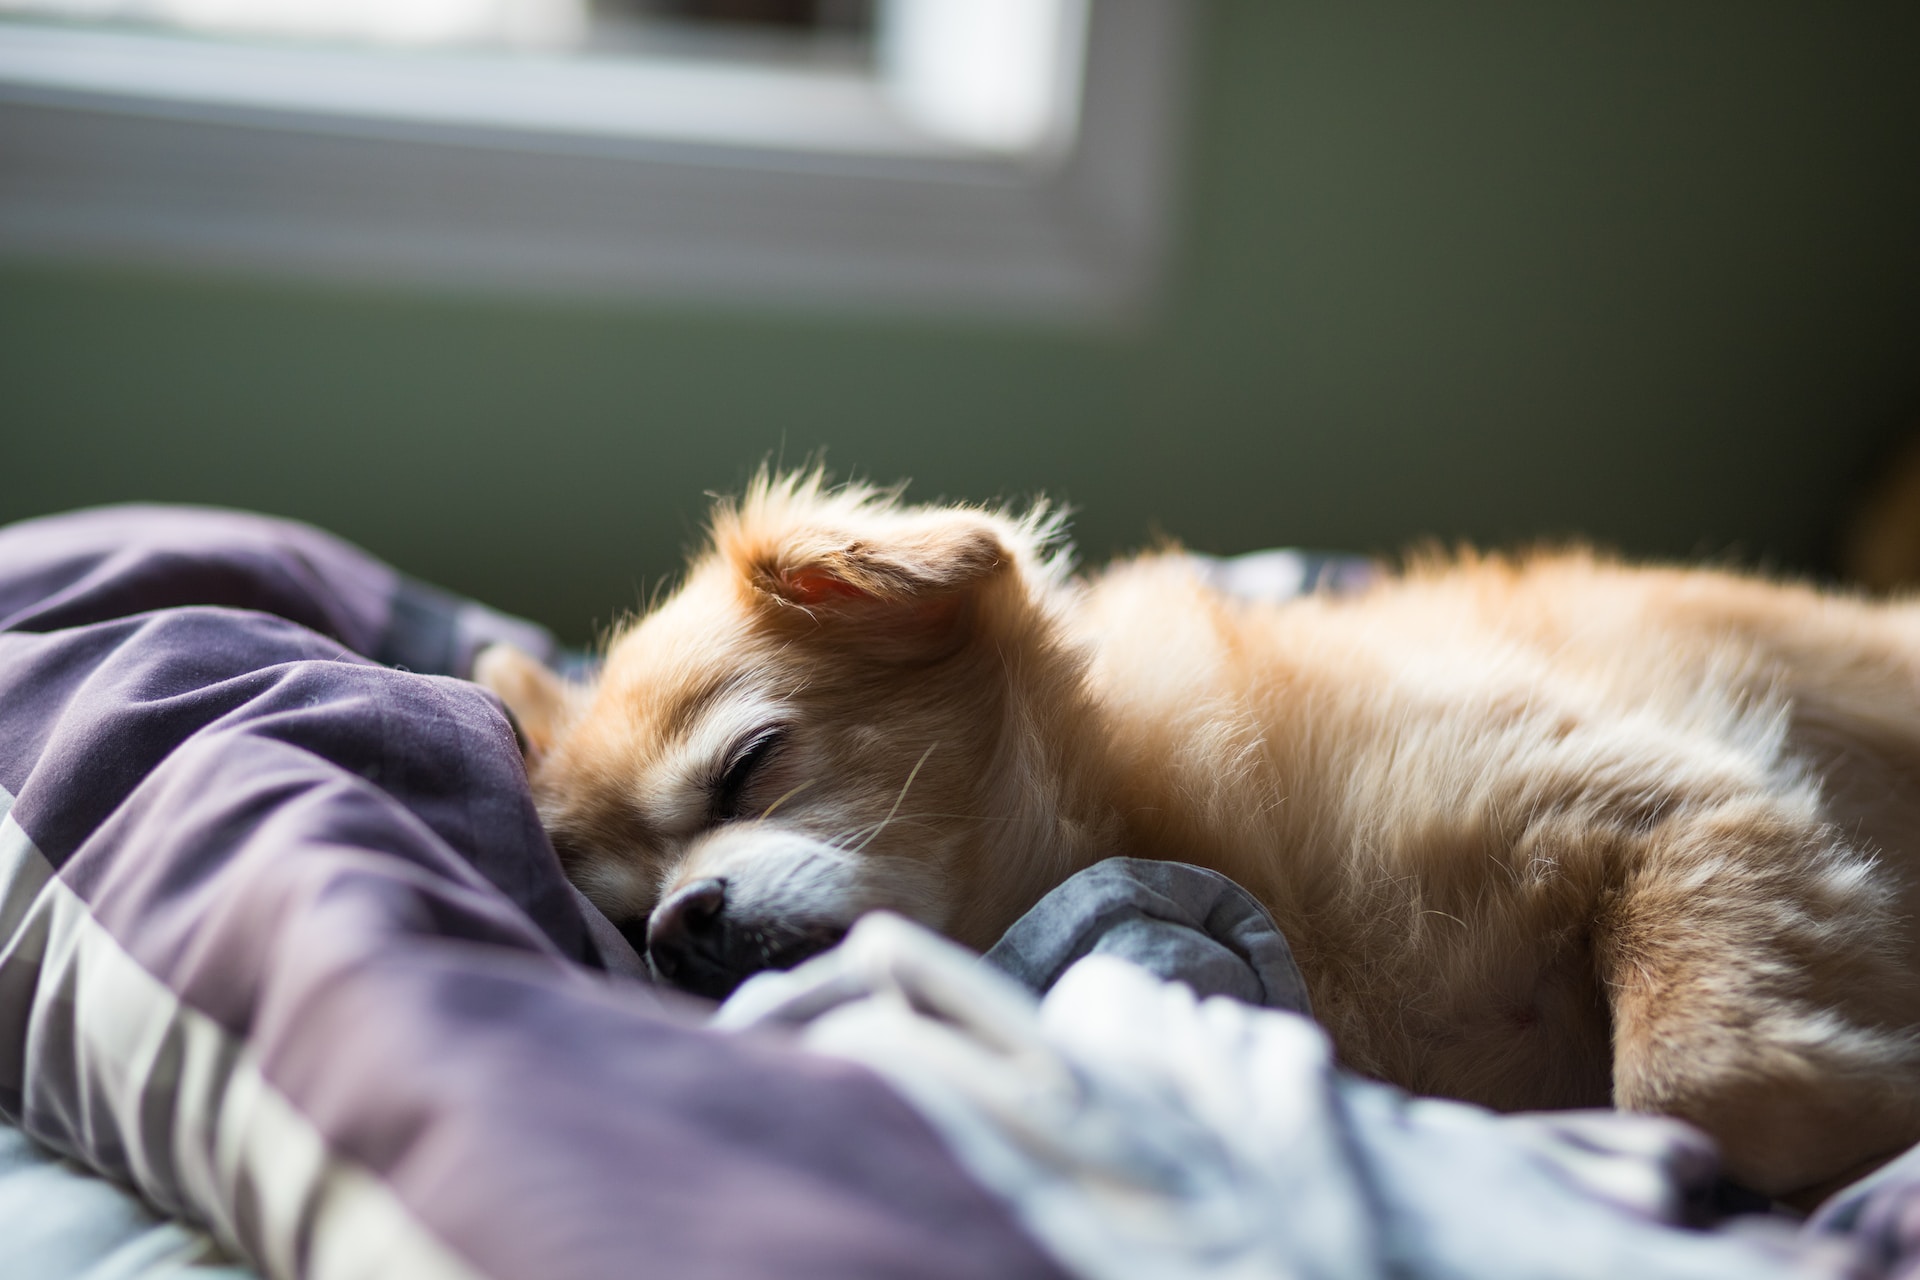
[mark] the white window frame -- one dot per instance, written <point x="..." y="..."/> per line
<point x="804" y="187"/>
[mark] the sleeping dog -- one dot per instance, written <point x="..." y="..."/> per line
<point x="1542" y="832"/>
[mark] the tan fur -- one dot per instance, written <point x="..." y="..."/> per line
<point x="1543" y="832"/>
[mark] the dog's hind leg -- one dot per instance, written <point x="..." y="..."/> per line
<point x="1752" y="962"/>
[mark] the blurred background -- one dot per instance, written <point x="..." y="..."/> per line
<point x="500" y="289"/>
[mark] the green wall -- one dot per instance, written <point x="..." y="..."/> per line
<point x="1644" y="272"/>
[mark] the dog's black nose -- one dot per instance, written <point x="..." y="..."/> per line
<point x="687" y="938"/>
<point x="694" y="943"/>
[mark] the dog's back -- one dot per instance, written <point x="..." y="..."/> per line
<point x="1554" y="832"/>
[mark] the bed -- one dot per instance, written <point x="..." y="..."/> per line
<point x="291" y="985"/>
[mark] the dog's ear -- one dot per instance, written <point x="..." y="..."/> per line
<point x="916" y="561"/>
<point x="541" y="702"/>
<point x="907" y="583"/>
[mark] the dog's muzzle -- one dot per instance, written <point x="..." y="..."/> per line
<point x="697" y="944"/>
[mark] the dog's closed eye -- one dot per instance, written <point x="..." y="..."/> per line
<point x="729" y="785"/>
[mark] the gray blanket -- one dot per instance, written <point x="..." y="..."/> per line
<point x="1179" y="922"/>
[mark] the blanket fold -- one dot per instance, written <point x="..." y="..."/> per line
<point x="1176" y="921"/>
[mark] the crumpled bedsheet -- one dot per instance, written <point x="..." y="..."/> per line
<point x="1146" y="1133"/>
<point x="60" y="1222"/>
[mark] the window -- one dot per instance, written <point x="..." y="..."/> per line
<point x="940" y="154"/>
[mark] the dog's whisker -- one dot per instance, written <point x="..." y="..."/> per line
<point x="860" y="835"/>
<point x="911" y="775"/>
<point x="923" y="819"/>
<point x="867" y="834"/>
<point x="768" y="811"/>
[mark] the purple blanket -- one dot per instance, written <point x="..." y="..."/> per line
<point x="283" y="947"/>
